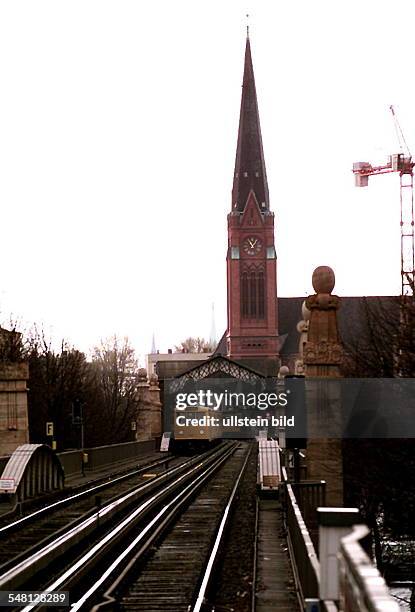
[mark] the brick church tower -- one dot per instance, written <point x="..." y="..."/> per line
<point x="252" y="335"/>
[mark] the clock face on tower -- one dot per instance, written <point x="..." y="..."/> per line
<point x="252" y="245"/>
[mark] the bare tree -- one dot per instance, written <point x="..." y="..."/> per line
<point x="62" y="381"/>
<point x="194" y="345"/>
<point x="114" y="366"/>
<point x="11" y="343"/>
<point x="384" y="346"/>
<point x="372" y="352"/>
<point x="378" y="471"/>
<point x="57" y="380"/>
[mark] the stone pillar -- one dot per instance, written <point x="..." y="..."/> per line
<point x="154" y="397"/>
<point x="149" y="423"/>
<point x="144" y="407"/>
<point x="323" y="355"/>
<point x="14" y="424"/>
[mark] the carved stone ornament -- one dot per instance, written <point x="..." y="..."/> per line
<point x="323" y="301"/>
<point x="323" y="352"/>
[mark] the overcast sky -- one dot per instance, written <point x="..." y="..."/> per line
<point x="118" y="126"/>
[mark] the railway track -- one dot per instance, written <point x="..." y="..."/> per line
<point x="165" y="545"/>
<point x="22" y="535"/>
<point x="31" y="505"/>
<point x="179" y="573"/>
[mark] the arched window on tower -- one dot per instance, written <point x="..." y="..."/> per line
<point x="261" y="295"/>
<point x="244" y="295"/>
<point x="253" y="294"/>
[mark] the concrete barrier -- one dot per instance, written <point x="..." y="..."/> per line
<point x="71" y="462"/>
<point x="99" y="457"/>
<point x="103" y="456"/>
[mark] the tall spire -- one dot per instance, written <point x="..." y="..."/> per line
<point x="250" y="170"/>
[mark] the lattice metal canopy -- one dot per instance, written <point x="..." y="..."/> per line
<point x="217" y="367"/>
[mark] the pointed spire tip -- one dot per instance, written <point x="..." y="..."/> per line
<point x="249" y="162"/>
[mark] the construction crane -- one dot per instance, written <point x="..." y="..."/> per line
<point x="403" y="164"/>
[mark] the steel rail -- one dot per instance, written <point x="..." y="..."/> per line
<point x="19" y="573"/>
<point x="175" y="506"/>
<point x="72" y="574"/>
<point x="255" y="557"/>
<point x="29" y="518"/>
<point x="121" y="497"/>
<point x="212" y="558"/>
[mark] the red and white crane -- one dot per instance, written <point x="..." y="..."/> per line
<point x="403" y="164"/>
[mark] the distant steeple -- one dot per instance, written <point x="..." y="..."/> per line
<point x="153" y="345"/>
<point x="250" y="172"/>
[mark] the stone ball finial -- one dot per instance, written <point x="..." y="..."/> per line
<point x="283" y="371"/>
<point x="142" y="374"/>
<point x="305" y="312"/>
<point x="323" y="279"/>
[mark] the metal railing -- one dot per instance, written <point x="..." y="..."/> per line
<point x="310" y="495"/>
<point x="303" y="555"/>
<point x="304" y="560"/>
<point x="361" y="585"/>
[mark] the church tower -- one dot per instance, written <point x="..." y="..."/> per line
<point x="251" y="258"/>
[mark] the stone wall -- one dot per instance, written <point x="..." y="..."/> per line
<point x="14" y="425"/>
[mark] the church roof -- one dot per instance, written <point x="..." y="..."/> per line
<point x="352" y="317"/>
<point x="221" y="348"/>
<point x="250" y="172"/>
